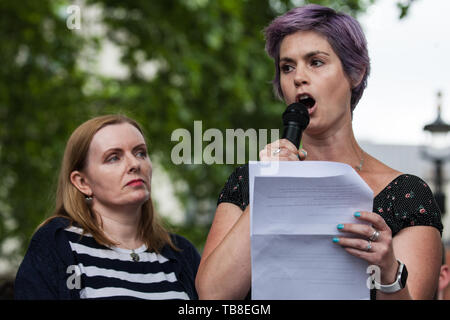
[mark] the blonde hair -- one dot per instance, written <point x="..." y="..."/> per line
<point x="71" y="203"/>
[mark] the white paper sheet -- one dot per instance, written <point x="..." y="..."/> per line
<point x="294" y="211"/>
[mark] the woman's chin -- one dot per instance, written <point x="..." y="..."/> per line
<point x="138" y="198"/>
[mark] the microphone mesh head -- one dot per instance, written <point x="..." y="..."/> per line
<point x="296" y="112"/>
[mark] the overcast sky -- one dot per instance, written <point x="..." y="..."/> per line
<point x="410" y="61"/>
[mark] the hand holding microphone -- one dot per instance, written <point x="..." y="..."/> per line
<point x="295" y="121"/>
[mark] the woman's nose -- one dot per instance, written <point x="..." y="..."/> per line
<point x="133" y="164"/>
<point x="301" y="77"/>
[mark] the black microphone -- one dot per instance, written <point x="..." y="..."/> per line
<point x="295" y="120"/>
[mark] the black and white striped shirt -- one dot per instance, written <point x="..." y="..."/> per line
<point x="111" y="273"/>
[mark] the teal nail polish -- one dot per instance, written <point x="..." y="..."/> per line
<point x="340" y="226"/>
<point x="335" y="240"/>
<point x="358" y="214"/>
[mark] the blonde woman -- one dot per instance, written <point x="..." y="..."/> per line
<point x="104" y="240"/>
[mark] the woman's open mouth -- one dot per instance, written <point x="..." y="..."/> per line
<point x="308" y="101"/>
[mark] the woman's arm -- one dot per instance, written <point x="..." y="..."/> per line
<point x="225" y="267"/>
<point x="419" y="248"/>
<point x="37" y="274"/>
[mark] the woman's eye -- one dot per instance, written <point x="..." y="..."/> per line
<point x="316" y="63"/>
<point x="286" y="68"/>
<point x="141" y="154"/>
<point x="112" y="158"/>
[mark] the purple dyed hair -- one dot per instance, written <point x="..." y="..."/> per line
<point x="343" y="32"/>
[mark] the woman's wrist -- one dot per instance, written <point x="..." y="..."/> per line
<point x="389" y="275"/>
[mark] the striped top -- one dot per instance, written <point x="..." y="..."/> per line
<point x="62" y="265"/>
<point x="111" y="273"/>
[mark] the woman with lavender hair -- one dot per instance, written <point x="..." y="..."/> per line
<point x="321" y="58"/>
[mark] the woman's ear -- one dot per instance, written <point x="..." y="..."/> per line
<point x="358" y="79"/>
<point x="79" y="180"/>
<point x="444" y="277"/>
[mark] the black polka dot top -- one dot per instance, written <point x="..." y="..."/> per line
<point x="406" y="201"/>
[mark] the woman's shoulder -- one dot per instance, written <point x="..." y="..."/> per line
<point x="42" y="272"/>
<point x="51" y="240"/>
<point x="378" y="175"/>
<point x="187" y="251"/>
<point x="408" y="201"/>
<point x="411" y="192"/>
<point x="49" y="229"/>
<point x="403" y="199"/>
<point x="393" y="185"/>
<point x="382" y="178"/>
<point x="407" y="182"/>
<point x="181" y="242"/>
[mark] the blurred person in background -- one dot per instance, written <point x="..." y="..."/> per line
<point x="443" y="292"/>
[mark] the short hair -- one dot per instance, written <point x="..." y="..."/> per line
<point x="343" y="32"/>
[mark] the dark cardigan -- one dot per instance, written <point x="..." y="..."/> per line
<point x="43" y="271"/>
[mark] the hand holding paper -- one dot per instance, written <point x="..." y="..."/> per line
<point x="294" y="214"/>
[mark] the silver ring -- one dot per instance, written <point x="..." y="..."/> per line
<point x="369" y="245"/>
<point x="374" y="236"/>
<point x="276" y="152"/>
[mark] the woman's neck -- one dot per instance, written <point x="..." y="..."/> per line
<point x="340" y="146"/>
<point x="120" y="225"/>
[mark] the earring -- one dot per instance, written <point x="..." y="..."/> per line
<point x="88" y="200"/>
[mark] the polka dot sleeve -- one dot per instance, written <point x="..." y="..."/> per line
<point x="408" y="201"/>
<point x="236" y="188"/>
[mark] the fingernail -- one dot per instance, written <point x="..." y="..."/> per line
<point x="335" y="240"/>
<point x="340" y="226"/>
<point x="358" y="214"/>
<point x="304" y="152"/>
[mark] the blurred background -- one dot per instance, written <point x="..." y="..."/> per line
<point x="168" y="63"/>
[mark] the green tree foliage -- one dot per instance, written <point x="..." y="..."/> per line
<point x="40" y="103"/>
<point x="211" y="66"/>
<point x="208" y="64"/>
